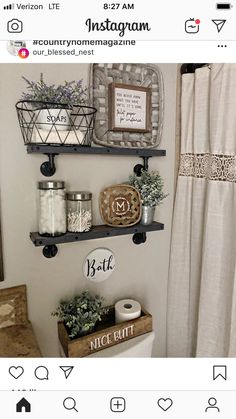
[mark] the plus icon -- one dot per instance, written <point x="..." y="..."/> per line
<point x="117" y="404"/>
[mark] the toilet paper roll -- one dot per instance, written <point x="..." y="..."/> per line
<point x="127" y="310"/>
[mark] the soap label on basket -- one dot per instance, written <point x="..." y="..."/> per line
<point x="111" y="338"/>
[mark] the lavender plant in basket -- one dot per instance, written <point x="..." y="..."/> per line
<point x="69" y="94"/>
<point x="53" y="103"/>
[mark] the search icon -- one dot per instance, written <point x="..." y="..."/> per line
<point x="70" y="404"/>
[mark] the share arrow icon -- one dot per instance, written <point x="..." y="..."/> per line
<point x="219" y="23"/>
<point x="67" y="370"/>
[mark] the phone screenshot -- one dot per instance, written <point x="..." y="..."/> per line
<point x="117" y="209"/>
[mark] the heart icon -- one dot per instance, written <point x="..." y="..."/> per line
<point x="165" y="404"/>
<point x="16" y="372"/>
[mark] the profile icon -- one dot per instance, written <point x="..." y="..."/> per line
<point x="13" y="47"/>
<point x="212" y="402"/>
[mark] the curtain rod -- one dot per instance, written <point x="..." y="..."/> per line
<point x="190" y="68"/>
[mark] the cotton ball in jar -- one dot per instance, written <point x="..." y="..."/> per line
<point x="52" y="208"/>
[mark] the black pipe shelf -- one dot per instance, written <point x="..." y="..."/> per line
<point x="98" y="232"/>
<point x="71" y="149"/>
<point x="48" y="168"/>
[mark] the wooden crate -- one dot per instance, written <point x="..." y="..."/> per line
<point x="107" y="334"/>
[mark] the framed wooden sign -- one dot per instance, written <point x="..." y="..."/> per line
<point x="129" y="108"/>
<point x="134" y="74"/>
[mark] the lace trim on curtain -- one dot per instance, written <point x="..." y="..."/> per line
<point x="209" y="166"/>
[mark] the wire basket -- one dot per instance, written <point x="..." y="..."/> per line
<point x="55" y="124"/>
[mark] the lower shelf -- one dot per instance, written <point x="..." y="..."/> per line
<point x="98" y="232"/>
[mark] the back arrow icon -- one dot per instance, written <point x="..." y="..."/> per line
<point x="219" y="23"/>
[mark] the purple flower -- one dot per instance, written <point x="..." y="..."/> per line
<point x="69" y="94"/>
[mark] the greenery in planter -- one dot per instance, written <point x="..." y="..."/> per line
<point x="69" y="94"/>
<point x="81" y="313"/>
<point x="150" y="186"/>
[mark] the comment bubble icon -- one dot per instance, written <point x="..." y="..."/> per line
<point x="41" y="373"/>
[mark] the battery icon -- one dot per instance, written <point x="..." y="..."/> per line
<point x="223" y="6"/>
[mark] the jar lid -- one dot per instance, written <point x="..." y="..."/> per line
<point x="79" y="196"/>
<point x="51" y="184"/>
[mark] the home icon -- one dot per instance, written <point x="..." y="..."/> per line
<point x="23" y="406"/>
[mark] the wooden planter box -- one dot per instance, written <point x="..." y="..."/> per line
<point x="106" y="334"/>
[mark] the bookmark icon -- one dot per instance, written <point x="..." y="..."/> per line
<point x="220" y="371"/>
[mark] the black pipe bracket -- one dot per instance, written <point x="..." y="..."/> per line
<point x="139" y="238"/>
<point x="139" y="167"/>
<point x="48" y="168"/>
<point x="50" y="251"/>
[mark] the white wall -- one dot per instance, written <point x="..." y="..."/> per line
<point x="141" y="271"/>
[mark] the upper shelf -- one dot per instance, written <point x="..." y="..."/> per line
<point x="48" y="168"/>
<point x="70" y="149"/>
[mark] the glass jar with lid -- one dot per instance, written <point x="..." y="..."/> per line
<point x="52" y="208"/>
<point x="79" y="211"/>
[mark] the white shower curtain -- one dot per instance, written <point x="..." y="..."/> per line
<point x="202" y="290"/>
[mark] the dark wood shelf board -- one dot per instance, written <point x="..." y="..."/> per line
<point x="97" y="232"/>
<point x="66" y="149"/>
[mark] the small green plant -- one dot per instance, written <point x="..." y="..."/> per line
<point x="70" y="93"/>
<point x="150" y="186"/>
<point x="81" y="313"/>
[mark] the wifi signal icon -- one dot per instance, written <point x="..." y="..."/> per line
<point x="9" y="7"/>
